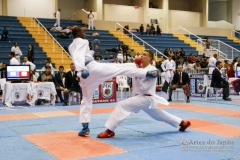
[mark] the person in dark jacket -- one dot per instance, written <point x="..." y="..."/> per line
<point x="219" y="82"/>
<point x="59" y="78"/>
<point x="5" y="34"/>
<point x="71" y="84"/>
<point x="30" y="54"/>
<point x="180" y="80"/>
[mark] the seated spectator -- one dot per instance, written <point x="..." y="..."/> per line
<point x="3" y="70"/>
<point x="71" y="84"/>
<point x="141" y="29"/>
<point x="48" y="63"/>
<point x="5" y="34"/>
<point x="186" y="65"/>
<point x="231" y="72"/>
<point x="204" y="63"/>
<point x="34" y="76"/>
<point x="126" y="29"/>
<point x="13" y="60"/>
<point x="180" y="80"/>
<point x="47" y="76"/>
<point x="159" y="31"/>
<point x="219" y="82"/>
<point x="226" y="64"/>
<point x="26" y="62"/>
<point x="190" y="58"/>
<point x="59" y="79"/>
<point x="197" y="65"/>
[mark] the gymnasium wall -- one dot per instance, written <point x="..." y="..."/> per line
<point x="31" y="8"/>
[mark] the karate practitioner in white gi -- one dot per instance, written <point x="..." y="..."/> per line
<point x="93" y="73"/>
<point x="212" y="63"/>
<point x="90" y="21"/>
<point x="145" y="100"/>
<point x="57" y="24"/>
<point x="169" y="67"/>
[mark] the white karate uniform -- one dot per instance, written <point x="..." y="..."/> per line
<point x="139" y="102"/>
<point x="90" y="21"/>
<point x="32" y="66"/>
<point x="171" y="67"/>
<point x="211" y="64"/>
<point x="18" y="52"/>
<point x="99" y="72"/>
<point x="14" y="61"/>
<point x="57" y="19"/>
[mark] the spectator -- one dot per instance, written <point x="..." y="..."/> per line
<point x="219" y="82"/>
<point x="226" y="65"/>
<point x="71" y="84"/>
<point x="204" y="63"/>
<point x="17" y="51"/>
<point x="137" y="55"/>
<point x="26" y="62"/>
<point x="126" y="29"/>
<point x="141" y="29"/>
<point x="3" y="70"/>
<point x="231" y="72"/>
<point x="159" y="31"/>
<point x="147" y="30"/>
<point x="197" y="65"/>
<point x="13" y="60"/>
<point x="47" y="76"/>
<point x="30" y="54"/>
<point x="57" y="24"/>
<point x="48" y="63"/>
<point x="186" y="65"/>
<point x="5" y="34"/>
<point x="59" y="79"/>
<point x="182" y="52"/>
<point x="190" y="58"/>
<point x="34" y="76"/>
<point x="90" y="21"/>
<point x="152" y="30"/>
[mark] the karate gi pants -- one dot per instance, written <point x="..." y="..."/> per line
<point x="90" y="24"/>
<point x="135" y="104"/>
<point x="100" y="72"/>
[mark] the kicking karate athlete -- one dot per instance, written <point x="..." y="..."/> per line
<point x="92" y="74"/>
<point x="145" y="100"/>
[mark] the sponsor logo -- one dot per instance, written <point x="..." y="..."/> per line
<point x="17" y="95"/>
<point x="107" y="89"/>
<point x="40" y="93"/>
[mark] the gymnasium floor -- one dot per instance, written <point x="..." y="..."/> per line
<point x="50" y="132"/>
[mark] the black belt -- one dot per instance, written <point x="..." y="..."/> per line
<point x="86" y="63"/>
<point x="146" y="94"/>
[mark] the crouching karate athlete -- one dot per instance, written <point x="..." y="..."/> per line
<point x="145" y="100"/>
<point x="93" y="73"/>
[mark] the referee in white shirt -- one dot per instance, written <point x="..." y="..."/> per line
<point x="26" y="62"/>
<point x="13" y="60"/>
<point x="17" y="51"/>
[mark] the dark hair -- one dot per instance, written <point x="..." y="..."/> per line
<point x="61" y="67"/>
<point x="75" y="31"/>
<point x="12" y="53"/>
<point x="25" y="56"/>
<point x="48" y="67"/>
<point x="218" y="62"/>
<point x="150" y="54"/>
